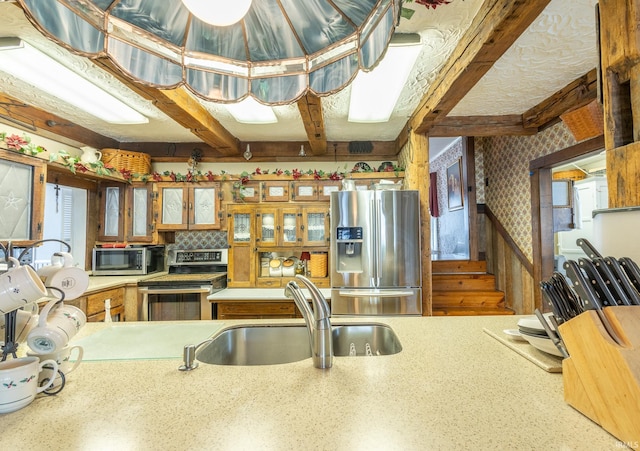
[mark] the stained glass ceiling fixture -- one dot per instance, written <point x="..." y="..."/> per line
<point x="279" y="51"/>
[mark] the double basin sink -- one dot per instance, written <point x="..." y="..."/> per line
<point x="270" y="344"/>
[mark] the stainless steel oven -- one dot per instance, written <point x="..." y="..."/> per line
<point x="182" y="293"/>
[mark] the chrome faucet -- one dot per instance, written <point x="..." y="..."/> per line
<point x="318" y="321"/>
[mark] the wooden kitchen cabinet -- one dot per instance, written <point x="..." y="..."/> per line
<point x="139" y="224"/>
<point x="278" y="227"/>
<point x="315" y="226"/>
<point x="241" y="239"/>
<point x="189" y="206"/>
<point x="22" y="189"/>
<point x="95" y="309"/>
<point x="111" y="218"/>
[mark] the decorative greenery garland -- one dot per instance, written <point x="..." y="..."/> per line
<point x="23" y="144"/>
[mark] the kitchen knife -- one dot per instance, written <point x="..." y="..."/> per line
<point x="554" y="302"/>
<point x="551" y="334"/>
<point x="632" y="294"/>
<point x="631" y="269"/>
<point x="589" y="297"/>
<point x="611" y="281"/>
<point x="598" y="283"/>
<point x="570" y="297"/>
<point x="588" y="248"/>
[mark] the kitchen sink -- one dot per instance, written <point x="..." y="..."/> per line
<point x="271" y="344"/>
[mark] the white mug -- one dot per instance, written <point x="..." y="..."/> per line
<point x="57" y="324"/>
<point x="19" y="382"/>
<point x="69" y="279"/>
<point x="26" y="319"/>
<point x="64" y="360"/>
<point x="19" y="286"/>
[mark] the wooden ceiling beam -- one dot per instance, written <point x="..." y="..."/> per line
<point x="575" y="95"/>
<point x="310" y="107"/>
<point x="453" y="126"/>
<point x="31" y="119"/>
<point x="183" y="108"/>
<point x="263" y="152"/>
<point x="494" y="29"/>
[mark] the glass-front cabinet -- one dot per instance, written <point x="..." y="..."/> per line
<point x="111" y="220"/>
<point x="22" y="191"/>
<point x="240" y="226"/>
<point x="315" y="228"/>
<point x="278" y="227"/>
<point x="140" y="225"/>
<point x="188" y="207"/>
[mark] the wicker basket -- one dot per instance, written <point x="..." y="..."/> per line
<point x="135" y="162"/>
<point x="318" y="264"/>
<point x="585" y="122"/>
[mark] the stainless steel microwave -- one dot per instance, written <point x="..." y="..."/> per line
<point x="125" y="261"/>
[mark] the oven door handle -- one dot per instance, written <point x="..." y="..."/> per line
<point x="150" y="290"/>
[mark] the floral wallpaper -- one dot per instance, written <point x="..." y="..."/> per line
<point x="505" y="165"/>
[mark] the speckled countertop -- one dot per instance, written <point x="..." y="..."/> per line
<point x="452" y="387"/>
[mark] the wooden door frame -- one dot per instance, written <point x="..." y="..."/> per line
<point x="542" y="206"/>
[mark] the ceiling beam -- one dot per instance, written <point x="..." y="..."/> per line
<point x="183" y="108"/>
<point x="310" y="107"/>
<point x="263" y="151"/>
<point x="31" y="119"/>
<point x="493" y="30"/>
<point x="576" y="94"/>
<point x="453" y="126"/>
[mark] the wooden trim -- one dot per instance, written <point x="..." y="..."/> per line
<point x="507" y="238"/>
<point x="481" y="126"/>
<point x="470" y="183"/>
<point x="568" y="154"/>
<point x="542" y="206"/>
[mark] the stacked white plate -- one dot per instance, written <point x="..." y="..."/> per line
<point x="532" y="331"/>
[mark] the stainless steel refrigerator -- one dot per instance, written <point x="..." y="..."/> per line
<point x="375" y="244"/>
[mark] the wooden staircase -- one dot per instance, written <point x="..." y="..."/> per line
<point x="463" y="287"/>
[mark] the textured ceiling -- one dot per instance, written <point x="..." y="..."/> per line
<point x="558" y="47"/>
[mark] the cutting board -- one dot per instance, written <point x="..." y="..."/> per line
<point x="145" y="341"/>
<point x="547" y="362"/>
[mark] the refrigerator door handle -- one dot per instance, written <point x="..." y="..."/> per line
<point x="377" y="270"/>
<point x="376" y="293"/>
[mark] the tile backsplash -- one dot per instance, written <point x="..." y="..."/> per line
<point x="200" y="239"/>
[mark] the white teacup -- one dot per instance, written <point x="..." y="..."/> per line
<point x="69" y="279"/>
<point x="57" y="324"/>
<point x="19" y="286"/>
<point x="64" y="360"/>
<point x="26" y="319"/>
<point x="19" y="382"/>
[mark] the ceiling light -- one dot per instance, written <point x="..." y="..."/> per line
<point x="249" y="111"/>
<point x="221" y="13"/>
<point x="278" y="52"/>
<point x="375" y="94"/>
<point x="247" y="153"/>
<point x="30" y="65"/>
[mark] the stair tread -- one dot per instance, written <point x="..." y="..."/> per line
<point x="464" y="311"/>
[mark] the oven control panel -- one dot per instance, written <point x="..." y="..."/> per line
<point x="179" y="257"/>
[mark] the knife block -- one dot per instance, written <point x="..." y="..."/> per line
<point x="601" y="378"/>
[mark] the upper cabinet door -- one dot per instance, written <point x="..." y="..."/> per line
<point x="172" y="198"/>
<point x="21" y="197"/>
<point x="187" y="207"/>
<point x="139" y="213"/>
<point x="204" y="207"/>
<point x="111" y="221"/>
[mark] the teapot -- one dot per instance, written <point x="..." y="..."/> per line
<point x="90" y="155"/>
